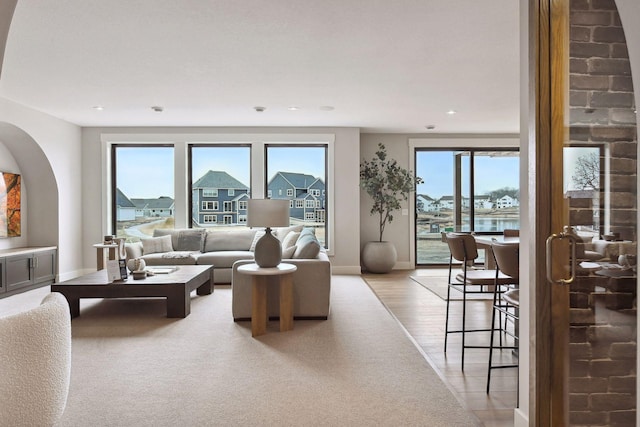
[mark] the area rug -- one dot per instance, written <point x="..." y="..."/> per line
<point x="438" y="285"/>
<point x="133" y="366"/>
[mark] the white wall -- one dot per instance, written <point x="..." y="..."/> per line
<point x="47" y="153"/>
<point x="345" y="258"/>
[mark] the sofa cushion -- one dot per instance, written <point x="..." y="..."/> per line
<point x="171" y="258"/>
<point x="281" y="232"/>
<point x="257" y="237"/>
<point x="184" y="239"/>
<point x="287" y="253"/>
<point x="307" y="246"/>
<point x="223" y="259"/>
<point x="290" y="240"/>
<point x="229" y="240"/>
<point x="154" y="245"/>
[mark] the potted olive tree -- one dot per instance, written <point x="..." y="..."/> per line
<point x="389" y="185"/>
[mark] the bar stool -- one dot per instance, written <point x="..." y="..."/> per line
<point x="470" y="281"/>
<point x="506" y="301"/>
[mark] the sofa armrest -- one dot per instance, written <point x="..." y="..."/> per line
<point x="311" y="289"/>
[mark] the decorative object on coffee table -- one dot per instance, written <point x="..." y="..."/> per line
<point x="136" y="264"/>
<point x="268" y="213"/>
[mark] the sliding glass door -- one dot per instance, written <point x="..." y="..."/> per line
<point x="464" y="190"/>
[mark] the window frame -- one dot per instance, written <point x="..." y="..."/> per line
<point x="181" y="141"/>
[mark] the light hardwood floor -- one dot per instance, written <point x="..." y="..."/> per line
<point x="422" y="313"/>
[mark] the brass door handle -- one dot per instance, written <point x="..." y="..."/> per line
<point x="565" y="234"/>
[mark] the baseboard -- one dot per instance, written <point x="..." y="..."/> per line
<point x="520" y="419"/>
<point x="404" y="265"/>
<point x="347" y="269"/>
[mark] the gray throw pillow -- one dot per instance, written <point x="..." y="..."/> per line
<point x="154" y="245"/>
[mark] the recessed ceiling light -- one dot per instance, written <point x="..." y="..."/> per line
<point x="259" y="109"/>
<point x="157" y="108"/>
<point x="293" y="108"/>
<point x="326" y="108"/>
<point x="451" y="112"/>
<point x="98" y="107"/>
<point x="430" y="127"/>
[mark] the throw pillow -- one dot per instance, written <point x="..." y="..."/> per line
<point x="257" y="237"/>
<point x="281" y="232"/>
<point x="290" y="240"/>
<point x="307" y="246"/>
<point x="154" y="245"/>
<point x="288" y="252"/>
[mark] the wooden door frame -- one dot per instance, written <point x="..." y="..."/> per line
<point x="549" y="326"/>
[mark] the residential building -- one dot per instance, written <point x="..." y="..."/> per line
<point x="125" y="208"/>
<point x="219" y="198"/>
<point x="160" y="207"/>
<point x="306" y="195"/>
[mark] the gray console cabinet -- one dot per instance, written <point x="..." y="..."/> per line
<point x="26" y="268"/>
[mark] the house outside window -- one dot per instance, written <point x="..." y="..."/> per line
<point x="289" y="192"/>
<point x="210" y="219"/>
<point x="242" y="205"/>
<point x="242" y="219"/>
<point x="299" y="203"/>
<point x="310" y="203"/>
<point x="225" y="168"/>
<point x="309" y="216"/>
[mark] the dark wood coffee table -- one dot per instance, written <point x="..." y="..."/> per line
<point x="175" y="286"/>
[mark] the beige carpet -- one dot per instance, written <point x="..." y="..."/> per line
<point x="436" y="282"/>
<point x="134" y="367"/>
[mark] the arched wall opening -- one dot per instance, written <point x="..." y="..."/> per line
<point x="40" y="196"/>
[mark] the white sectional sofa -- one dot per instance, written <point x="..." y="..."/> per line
<point x="228" y="249"/>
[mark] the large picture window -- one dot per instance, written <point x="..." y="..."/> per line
<point x="299" y="174"/>
<point x="143" y="190"/>
<point x="220" y="177"/>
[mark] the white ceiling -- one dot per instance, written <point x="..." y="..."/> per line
<point x="384" y="65"/>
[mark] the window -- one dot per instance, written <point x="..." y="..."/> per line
<point x="242" y="219"/>
<point x="464" y="190"/>
<point x="214" y="167"/>
<point x="290" y="204"/>
<point x="310" y="203"/>
<point x="210" y="219"/>
<point x="209" y="206"/>
<point x="304" y="168"/>
<point x="242" y="205"/>
<point x="143" y="190"/>
<point x="318" y="204"/>
<point x="309" y="216"/>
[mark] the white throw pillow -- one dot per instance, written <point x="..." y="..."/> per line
<point x="154" y="245"/>
<point x="288" y="252"/>
<point x="290" y="239"/>
<point x="257" y="237"/>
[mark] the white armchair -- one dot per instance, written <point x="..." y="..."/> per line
<point x="35" y="350"/>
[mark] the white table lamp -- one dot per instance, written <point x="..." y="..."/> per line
<point x="268" y="213"/>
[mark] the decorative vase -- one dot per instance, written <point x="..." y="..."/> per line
<point x="136" y="264"/>
<point x="379" y="257"/>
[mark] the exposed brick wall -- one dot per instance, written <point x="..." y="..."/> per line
<point x="603" y="334"/>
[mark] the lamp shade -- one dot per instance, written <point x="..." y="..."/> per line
<point x="268" y="213"/>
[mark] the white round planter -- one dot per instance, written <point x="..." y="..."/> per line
<point x="379" y="257"/>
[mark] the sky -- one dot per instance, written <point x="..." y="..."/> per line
<point x="436" y="168"/>
<point x="147" y="172"/>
